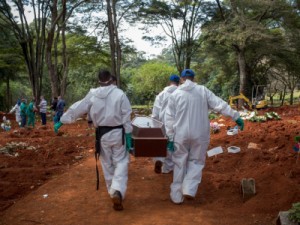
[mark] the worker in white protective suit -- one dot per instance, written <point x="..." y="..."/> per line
<point x="109" y="110"/>
<point x="17" y="110"/>
<point x="188" y="130"/>
<point x="164" y="164"/>
<point x="90" y="122"/>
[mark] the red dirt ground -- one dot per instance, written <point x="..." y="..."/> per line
<point x="54" y="184"/>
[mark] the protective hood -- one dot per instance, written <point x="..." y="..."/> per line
<point x="187" y="85"/>
<point x="170" y="88"/>
<point x="103" y="92"/>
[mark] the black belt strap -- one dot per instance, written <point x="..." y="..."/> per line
<point x="100" y="131"/>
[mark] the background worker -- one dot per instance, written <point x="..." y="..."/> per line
<point x="43" y="110"/>
<point x="53" y="106"/>
<point x="16" y="109"/>
<point x="110" y="111"/>
<point x="188" y="129"/>
<point x="23" y="109"/>
<point x="164" y="165"/>
<point x="59" y="109"/>
<point x="113" y="82"/>
<point x="31" y="109"/>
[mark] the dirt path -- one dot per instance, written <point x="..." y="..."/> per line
<point x="72" y="198"/>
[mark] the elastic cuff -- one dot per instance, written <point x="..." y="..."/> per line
<point x="170" y="138"/>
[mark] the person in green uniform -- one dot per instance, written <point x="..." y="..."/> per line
<point x="31" y="113"/>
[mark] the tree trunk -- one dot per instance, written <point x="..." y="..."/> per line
<point x="177" y="55"/>
<point x="7" y="93"/>
<point x="280" y="96"/>
<point x="112" y="43"/>
<point x="53" y="76"/>
<point x="188" y="62"/>
<point x="50" y="39"/>
<point x="31" y="38"/>
<point x="117" y="44"/>
<point x="243" y="76"/>
<point x="292" y="96"/>
<point x="63" y="85"/>
<point x="35" y="76"/>
<point x="59" y="16"/>
<point x="271" y="100"/>
<point x="283" y="95"/>
<point x="243" y="72"/>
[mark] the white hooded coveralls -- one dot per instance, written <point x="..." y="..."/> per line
<point x="187" y="124"/>
<point x="158" y="113"/>
<point x="16" y="109"/>
<point x="107" y="106"/>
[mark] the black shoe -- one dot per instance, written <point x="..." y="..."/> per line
<point x="188" y="197"/>
<point x="157" y="167"/>
<point x="117" y="200"/>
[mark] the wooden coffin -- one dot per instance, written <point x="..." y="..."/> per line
<point x="149" y="139"/>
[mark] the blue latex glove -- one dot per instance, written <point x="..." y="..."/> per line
<point x="170" y="146"/>
<point x="128" y="142"/>
<point x="57" y="126"/>
<point x="240" y="123"/>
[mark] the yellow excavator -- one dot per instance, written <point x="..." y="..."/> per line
<point x="256" y="103"/>
<point x="247" y="102"/>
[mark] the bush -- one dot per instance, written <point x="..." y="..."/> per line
<point x="212" y="116"/>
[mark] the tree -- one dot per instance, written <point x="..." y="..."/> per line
<point x="286" y="70"/>
<point x="216" y="68"/>
<point x="10" y="64"/>
<point x="40" y="37"/>
<point x="181" y="22"/>
<point x="149" y="80"/>
<point x="116" y="12"/>
<point x="250" y="29"/>
<point x="61" y="11"/>
<point x="31" y="37"/>
<point x="85" y="56"/>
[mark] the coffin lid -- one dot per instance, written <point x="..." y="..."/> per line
<point x="146" y="122"/>
<point x="144" y="126"/>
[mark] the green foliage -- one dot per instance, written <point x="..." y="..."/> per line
<point x="294" y="212"/>
<point x="217" y="70"/>
<point x="86" y="57"/>
<point x="80" y="82"/>
<point x="86" y="51"/>
<point x="141" y="110"/>
<point x="11" y="67"/>
<point x="17" y="90"/>
<point x="212" y="116"/>
<point x="181" y="22"/>
<point x="131" y="61"/>
<point x="150" y="79"/>
<point x="253" y="31"/>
